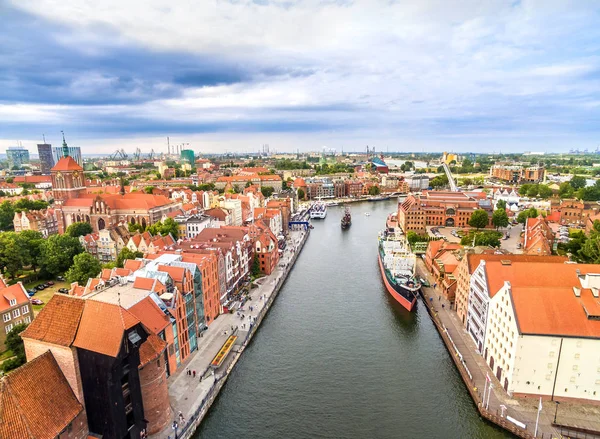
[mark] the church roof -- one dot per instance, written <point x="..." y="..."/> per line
<point x="66" y="164"/>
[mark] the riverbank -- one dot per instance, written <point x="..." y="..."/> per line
<point x="192" y="395"/>
<point x="498" y="408"/>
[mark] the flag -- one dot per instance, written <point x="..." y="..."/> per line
<point x="540" y="406"/>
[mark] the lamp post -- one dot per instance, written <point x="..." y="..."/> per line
<point x="556" y="411"/>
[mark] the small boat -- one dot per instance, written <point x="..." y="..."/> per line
<point x="380" y="198"/>
<point x="346" y="219"/>
<point x="367" y="214"/>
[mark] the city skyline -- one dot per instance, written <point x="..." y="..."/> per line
<point x="497" y="76"/>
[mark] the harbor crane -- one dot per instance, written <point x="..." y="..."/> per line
<point x="119" y="154"/>
<point x="137" y="154"/>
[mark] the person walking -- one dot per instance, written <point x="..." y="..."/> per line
<point x="194" y="374"/>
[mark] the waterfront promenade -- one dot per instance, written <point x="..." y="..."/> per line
<point x="192" y="396"/>
<point x="474" y="370"/>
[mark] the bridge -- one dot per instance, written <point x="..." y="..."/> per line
<point x="451" y="181"/>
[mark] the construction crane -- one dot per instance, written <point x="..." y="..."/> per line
<point x="137" y="154"/>
<point x="151" y="156"/>
<point x="119" y="154"/>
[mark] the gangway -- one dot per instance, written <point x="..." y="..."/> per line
<point x="451" y="181"/>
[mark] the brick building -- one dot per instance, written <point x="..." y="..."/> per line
<point x="15" y="308"/>
<point x="518" y="172"/>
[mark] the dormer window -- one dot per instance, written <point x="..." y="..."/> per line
<point x="13" y="302"/>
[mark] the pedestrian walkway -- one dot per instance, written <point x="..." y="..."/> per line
<point x="499" y="402"/>
<point x="186" y="392"/>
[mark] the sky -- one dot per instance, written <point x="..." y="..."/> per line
<point x="232" y="75"/>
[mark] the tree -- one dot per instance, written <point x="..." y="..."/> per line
<point x="135" y="227"/>
<point x="590" y="251"/>
<point x="165" y="227"/>
<point x="578" y="182"/>
<point x="487" y="238"/>
<point x="524" y="189"/>
<point x="533" y="191"/>
<point x="439" y="181"/>
<point x="267" y="191"/>
<point x="149" y="189"/>
<point x="57" y="253"/>
<point x="30" y="242"/>
<point x="255" y="266"/>
<point x="14" y="342"/>
<point x="499" y="218"/>
<point x="374" y="190"/>
<point x="126" y="253"/>
<point x="12" y="255"/>
<point x="501" y="204"/>
<point x="565" y="190"/>
<point x="7" y="214"/>
<point x="301" y="194"/>
<point x="79" y="229"/>
<point x="544" y="191"/>
<point x="479" y="219"/>
<point x="529" y="213"/>
<point x="84" y="267"/>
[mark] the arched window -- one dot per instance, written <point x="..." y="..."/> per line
<point x="101" y="224"/>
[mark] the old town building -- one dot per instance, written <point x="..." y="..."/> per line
<point x="15" y="308"/>
<point x="538" y="237"/>
<point x="43" y="221"/>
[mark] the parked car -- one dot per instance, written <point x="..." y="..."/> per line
<point x="50" y="282"/>
<point x="60" y="278"/>
<point x="31" y="292"/>
<point x="63" y="290"/>
<point x="37" y="301"/>
<point x="40" y="287"/>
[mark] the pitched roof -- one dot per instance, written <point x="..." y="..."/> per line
<point x="151" y="349"/>
<point x="132" y="264"/>
<point x="36" y="401"/>
<point x="101" y="327"/>
<point x="66" y="164"/>
<point x="16" y="291"/>
<point x="151" y="316"/>
<point x="176" y="273"/>
<point x="57" y="322"/>
<point x="473" y="259"/>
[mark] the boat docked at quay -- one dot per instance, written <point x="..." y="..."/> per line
<point x="398" y="264"/>
<point x="318" y="211"/>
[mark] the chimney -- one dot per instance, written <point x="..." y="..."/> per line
<point x="577" y="291"/>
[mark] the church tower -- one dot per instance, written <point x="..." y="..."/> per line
<point x="68" y="180"/>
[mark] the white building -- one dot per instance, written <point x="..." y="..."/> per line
<point x="235" y="207"/>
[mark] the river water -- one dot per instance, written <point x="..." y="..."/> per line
<point x="337" y="358"/>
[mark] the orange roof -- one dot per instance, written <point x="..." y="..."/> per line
<point x="143" y="283"/>
<point x="553" y="310"/>
<point x="16" y="291"/>
<point x="132" y="264"/>
<point x="36" y="401"/>
<point x="66" y="164"/>
<point x="474" y="259"/>
<point x="33" y="179"/>
<point x="105" y="274"/>
<point x="176" y="273"/>
<point x="57" y="322"/>
<point x="151" y="349"/>
<point x="151" y="316"/>
<point x="102" y="327"/>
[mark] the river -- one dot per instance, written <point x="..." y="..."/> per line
<point x="337" y="358"/>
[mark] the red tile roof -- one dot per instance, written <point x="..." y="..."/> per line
<point x="151" y="316"/>
<point x="102" y="326"/>
<point x="132" y="264"/>
<point x="176" y="273"/>
<point x="66" y="164"/>
<point x="16" y="291"/>
<point x="36" y="401"/>
<point x="151" y="349"/>
<point x="57" y="322"/>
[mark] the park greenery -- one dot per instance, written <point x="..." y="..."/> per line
<point x="8" y="209"/>
<point x="500" y="218"/>
<point x="532" y="212"/>
<point x="482" y="238"/>
<point x="84" y="266"/>
<point x="79" y="229"/>
<point x="479" y="219"/>
<point x="582" y="248"/>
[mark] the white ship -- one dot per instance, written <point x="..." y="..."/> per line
<point x="318" y="211"/>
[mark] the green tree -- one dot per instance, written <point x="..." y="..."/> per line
<point x="267" y="191"/>
<point x="578" y="182"/>
<point x="439" y="181"/>
<point x="533" y="191"/>
<point x="255" y="266"/>
<point x="84" y="267"/>
<point x="544" y="191"/>
<point x="25" y="204"/>
<point x="529" y="213"/>
<point x="591" y="193"/>
<point x="12" y="255"/>
<point x="565" y="190"/>
<point x="79" y="229"/>
<point x="479" y="219"/>
<point x="501" y="204"/>
<point x="486" y="238"/>
<point x="165" y="227"/>
<point x="125" y="254"/>
<point x="590" y="250"/>
<point x="301" y="194"/>
<point x="500" y="218"/>
<point x="57" y="253"/>
<point x="524" y="189"/>
<point x="149" y="189"/>
<point x="135" y="227"/>
<point x="14" y="342"/>
<point x="7" y="214"/>
<point x="30" y="242"/>
<point x="374" y="190"/>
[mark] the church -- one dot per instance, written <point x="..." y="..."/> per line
<point x="75" y="204"/>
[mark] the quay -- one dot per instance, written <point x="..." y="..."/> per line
<point x="191" y="396"/>
<point x="571" y="421"/>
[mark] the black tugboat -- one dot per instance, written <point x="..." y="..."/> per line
<point x="346" y="219"/>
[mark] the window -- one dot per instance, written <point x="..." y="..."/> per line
<point x="16" y="313"/>
<point x="6" y="317"/>
<point x="8" y="328"/>
<point x="25" y="309"/>
<point x="27" y="319"/>
<point x="13" y="302"/>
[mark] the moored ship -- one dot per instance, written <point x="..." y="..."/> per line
<point x="346" y="219"/>
<point x="397" y="264"/>
<point x="318" y="211"/>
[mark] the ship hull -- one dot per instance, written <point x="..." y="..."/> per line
<point x="406" y="303"/>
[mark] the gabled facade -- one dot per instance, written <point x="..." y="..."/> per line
<point x="15" y="308"/>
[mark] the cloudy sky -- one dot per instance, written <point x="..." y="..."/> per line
<point x="231" y="75"/>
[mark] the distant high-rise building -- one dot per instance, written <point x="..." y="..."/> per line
<point x="46" y="159"/>
<point x="74" y="152"/>
<point x="188" y="155"/>
<point x="17" y="156"/>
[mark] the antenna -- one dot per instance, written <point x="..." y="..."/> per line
<point x="44" y="137"/>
